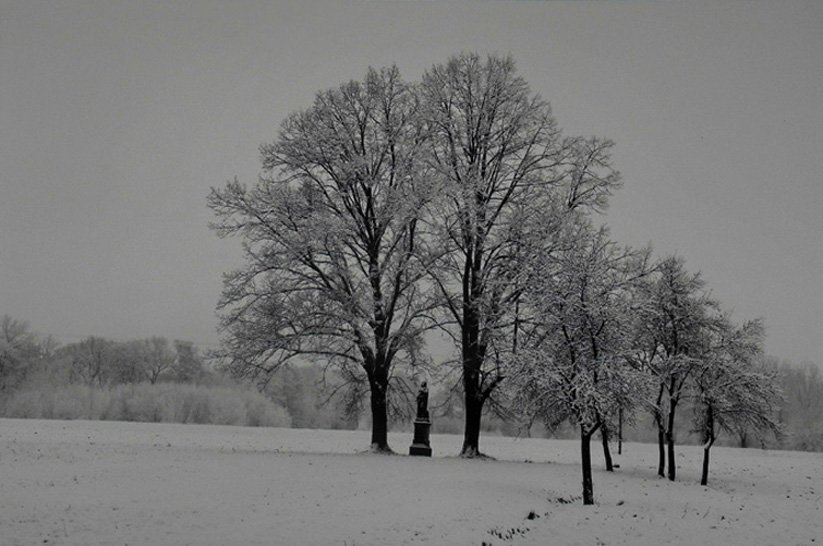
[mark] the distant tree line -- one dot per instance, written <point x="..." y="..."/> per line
<point x="94" y="361"/>
<point x="154" y="380"/>
<point x="313" y="399"/>
<point x="140" y="380"/>
<point x="802" y="410"/>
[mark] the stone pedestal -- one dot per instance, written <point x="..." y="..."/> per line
<point x="420" y="444"/>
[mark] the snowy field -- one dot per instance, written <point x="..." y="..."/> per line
<point x="106" y="483"/>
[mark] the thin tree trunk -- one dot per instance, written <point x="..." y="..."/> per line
<point x="661" y="436"/>
<point x="670" y="440"/>
<point x="586" y="464"/>
<point x="709" y="441"/>
<point x="604" y="437"/>
<point x="704" y="477"/>
<point x="661" y="446"/>
<point x="620" y="431"/>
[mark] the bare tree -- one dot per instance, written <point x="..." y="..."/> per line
<point x="332" y="243"/>
<point x="731" y="391"/>
<point x="678" y="314"/>
<point x="159" y="358"/>
<point x="497" y="151"/>
<point x="188" y="365"/>
<point x="89" y="360"/>
<point x="802" y="414"/>
<point x="19" y="349"/>
<point x="572" y="362"/>
<point x="128" y="362"/>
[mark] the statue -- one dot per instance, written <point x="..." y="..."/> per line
<point x="422" y="424"/>
<point x="423" y="402"/>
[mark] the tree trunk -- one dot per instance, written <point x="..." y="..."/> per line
<point x="379" y="414"/>
<point x="670" y="440"/>
<point x="708" y="438"/>
<point x="604" y="436"/>
<point x="661" y="446"/>
<point x="620" y="431"/>
<point x="472" y="364"/>
<point x="704" y="477"/>
<point x="474" y="412"/>
<point x="661" y="436"/>
<point x="586" y="463"/>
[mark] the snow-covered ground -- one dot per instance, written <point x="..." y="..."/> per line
<point x="84" y="483"/>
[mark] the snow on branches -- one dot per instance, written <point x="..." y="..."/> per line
<point x="333" y="262"/>
<point x="573" y="362"/>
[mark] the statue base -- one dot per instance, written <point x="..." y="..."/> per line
<point x="420" y="445"/>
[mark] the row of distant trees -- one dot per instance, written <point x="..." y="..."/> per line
<point x="802" y="411"/>
<point x="94" y="361"/>
<point x="152" y="379"/>
<point x="389" y="209"/>
<point x="312" y="397"/>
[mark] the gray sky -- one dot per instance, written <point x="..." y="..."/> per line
<point x="116" y="117"/>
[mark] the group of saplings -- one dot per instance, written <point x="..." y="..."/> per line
<point x="389" y="209"/>
<point x="617" y="335"/>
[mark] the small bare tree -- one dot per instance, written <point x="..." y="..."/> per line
<point x="677" y="314"/>
<point x="160" y="358"/>
<point x="188" y="365"/>
<point x="89" y="361"/>
<point x="572" y="359"/>
<point x="19" y="349"/>
<point x="731" y="392"/>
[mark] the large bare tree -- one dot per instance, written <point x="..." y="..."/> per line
<point x="502" y="163"/>
<point x="331" y="241"/>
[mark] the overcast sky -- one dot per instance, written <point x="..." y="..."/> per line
<point x="116" y="117"/>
